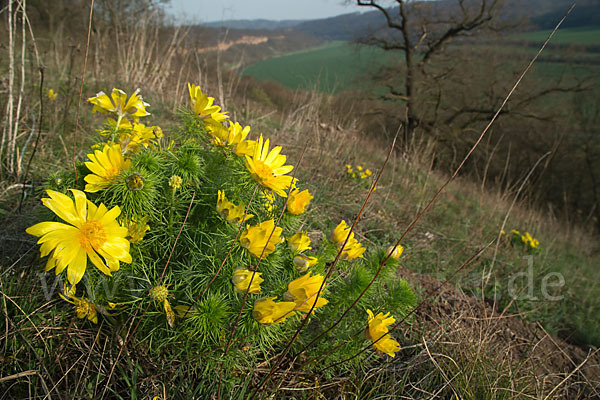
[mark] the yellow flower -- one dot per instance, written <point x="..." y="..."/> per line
<point x="340" y="233"/>
<point x="105" y="166"/>
<point x="52" y="95"/>
<point x="515" y="232"/>
<point x="140" y="135"/>
<point x="175" y="182"/>
<point x="268" y="168"/>
<point x="137" y="230"/>
<point x="118" y="104"/>
<point x="83" y="308"/>
<point x="303" y="262"/>
<point x="241" y="280"/>
<point x="368" y="172"/>
<point x="353" y="250"/>
<point x="93" y="232"/>
<point x="303" y="291"/>
<point x="378" y="327"/>
<point x="236" y="134"/>
<point x="256" y="238"/>
<point x="217" y="130"/>
<point x="203" y="106"/>
<point x="298" y="201"/>
<point x="229" y="211"/>
<point x="268" y="312"/>
<point x="245" y="148"/>
<point x="299" y="242"/>
<point x="395" y="251"/>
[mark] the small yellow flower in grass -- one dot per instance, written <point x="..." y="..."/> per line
<point x="368" y="172"/>
<point x="303" y="291"/>
<point x="52" y="95"/>
<point x="378" y="327"/>
<point x="299" y="242"/>
<point x="256" y="238"/>
<point x="241" y="280"/>
<point x="396" y="251"/>
<point x="105" y="166"/>
<point x="298" y="201"/>
<point x="359" y="168"/>
<point x="529" y="240"/>
<point x="229" y="211"/>
<point x="137" y="230"/>
<point x="203" y="106"/>
<point x="268" y="169"/>
<point x="515" y="232"/>
<point x="303" y="263"/>
<point x="175" y="182"/>
<point x="92" y="231"/>
<point x="119" y="105"/>
<point x="161" y="294"/>
<point x="268" y="312"/>
<point x="83" y="308"/>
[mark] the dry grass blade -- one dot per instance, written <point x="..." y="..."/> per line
<point x="571" y="374"/>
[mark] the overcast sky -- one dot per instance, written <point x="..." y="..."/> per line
<point x="211" y="10"/>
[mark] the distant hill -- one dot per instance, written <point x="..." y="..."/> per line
<point x="584" y="15"/>
<point x="259" y="24"/>
<point x="343" y="27"/>
<point x="543" y="14"/>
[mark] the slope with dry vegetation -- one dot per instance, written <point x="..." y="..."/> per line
<point x="502" y="326"/>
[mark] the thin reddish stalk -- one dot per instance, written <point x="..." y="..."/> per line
<point x="417" y="307"/>
<point x="87" y="48"/>
<point x="235" y="325"/>
<point x="419" y="216"/>
<point x="329" y="272"/>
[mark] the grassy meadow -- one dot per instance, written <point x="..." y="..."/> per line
<point x="480" y="312"/>
<point x="338" y="65"/>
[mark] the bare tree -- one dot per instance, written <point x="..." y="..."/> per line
<point x="421" y="31"/>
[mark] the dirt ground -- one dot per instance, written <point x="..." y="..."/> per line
<point x="459" y="326"/>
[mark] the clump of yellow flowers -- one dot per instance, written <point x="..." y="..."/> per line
<point x="205" y="227"/>
<point x="525" y="239"/>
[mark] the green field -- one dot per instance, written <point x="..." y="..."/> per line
<point x="581" y="36"/>
<point x="330" y="68"/>
<point x="339" y="65"/>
